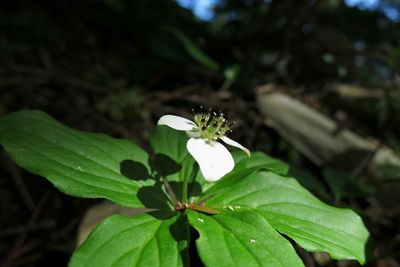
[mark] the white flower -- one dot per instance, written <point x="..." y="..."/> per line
<point x="213" y="158"/>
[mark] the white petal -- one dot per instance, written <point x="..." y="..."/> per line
<point x="214" y="159"/>
<point x="177" y="123"/>
<point x="231" y="142"/>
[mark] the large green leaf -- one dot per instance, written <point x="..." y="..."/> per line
<point x="171" y="157"/>
<point x="78" y="163"/>
<point x="293" y="211"/>
<point x="258" y="160"/>
<point x="241" y="238"/>
<point x="174" y="161"/>
<point x="169" y="142"/>
<point x="255" y="200"/>
<point x="135" y="241"/>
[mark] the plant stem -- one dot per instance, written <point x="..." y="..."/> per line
<point x="187" y="179"/>
<point x="169" y="190"/>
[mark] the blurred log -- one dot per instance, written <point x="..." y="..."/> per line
<point x="325" y="142"/>
<point x="368" y="105"/>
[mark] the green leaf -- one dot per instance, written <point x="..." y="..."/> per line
<point x="172" y="158"/>
<point x="169" y="142"/>
<point x="174" y="161"/>
<point x="78" y="163"/>
<point x="295" y="212"/>
<point x="257" y="160"/>
<point x="308" y="180"/>
<point x="194" y="51"/>
<point x="241" y="238"/>
<point x="135" y="241"/>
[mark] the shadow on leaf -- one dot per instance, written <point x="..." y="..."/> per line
<point x="154" y="196"/>
<point x="180" y="232"/>
<point x="134" y="170"/>
<point x="164" y="165"/>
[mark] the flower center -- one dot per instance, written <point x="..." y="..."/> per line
<point x="212" y="125"/>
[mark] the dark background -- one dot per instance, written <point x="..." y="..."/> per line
<point x="116" y="66"/>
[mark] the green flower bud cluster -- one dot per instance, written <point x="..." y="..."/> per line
<point x="212" y="125"/>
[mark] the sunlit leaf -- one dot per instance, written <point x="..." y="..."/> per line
<point x="78" y="163"/>
<point x="295" y="212"/>
<point x="241" y="238"/>
<point x="134" y="241"/>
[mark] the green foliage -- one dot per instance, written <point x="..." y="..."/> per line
<point x="256" y="201"/>
<point x="194" y="51"/>
<point x="292" y="210"/>
<point x="261" y="161"/>
<point x="78" y="163"/>
<point x="143" y="240"/>
<point x="169" y="143"/>
<point x="243" y="238"/>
